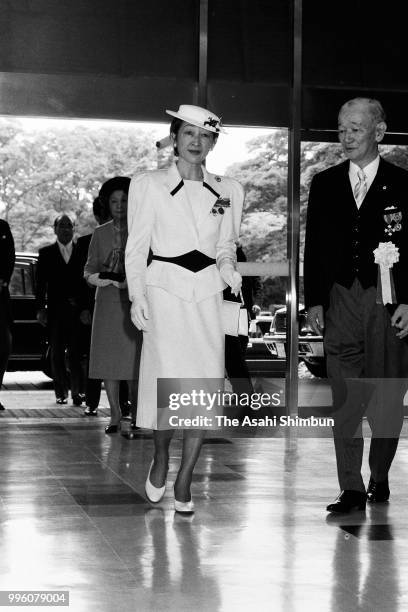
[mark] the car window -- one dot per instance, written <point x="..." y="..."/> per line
<point x="21" y="282"/>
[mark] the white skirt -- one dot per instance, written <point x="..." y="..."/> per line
<point x="184" y="340"/>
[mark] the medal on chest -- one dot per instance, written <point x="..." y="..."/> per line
<point x="393" y="220"/>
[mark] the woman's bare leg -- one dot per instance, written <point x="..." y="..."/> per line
<point x="160" y="467"/>
<point x="192" y="442"/>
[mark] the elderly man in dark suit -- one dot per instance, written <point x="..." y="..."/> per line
<point x="355" y="208"/>
<point x="7" y="259"/>
<point x="58" y="276"/>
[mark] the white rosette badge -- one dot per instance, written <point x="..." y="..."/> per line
<point x="386" y="255"/>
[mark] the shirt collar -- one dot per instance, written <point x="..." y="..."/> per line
<point x="370" y="170"/>
<point x="65" y="247"/>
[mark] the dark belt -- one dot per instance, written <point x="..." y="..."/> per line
<point x="195" y="261"/>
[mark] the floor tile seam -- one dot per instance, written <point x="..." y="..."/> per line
<point x="106" y="465"/>
<point x="121" y="478"/>
<point x="95" y="526"/>
<point x="110" y="546"/>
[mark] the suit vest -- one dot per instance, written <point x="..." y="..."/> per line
<point x="358" y="226"/>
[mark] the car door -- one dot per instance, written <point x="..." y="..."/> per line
<point x="28" y="335"/>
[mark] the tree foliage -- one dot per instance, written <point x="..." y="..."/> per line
<point x="264" y="177"/>
<point x="43" y="173"/>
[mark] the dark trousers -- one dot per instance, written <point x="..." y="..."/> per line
<point x="367" y="366"/>
<point x="235" y="364"/>
<point x="64" y="337"/>
<point x="5" y="332"/>
<point x="92" y="385"/>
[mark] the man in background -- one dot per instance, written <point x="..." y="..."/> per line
<point x="58" y="271"/>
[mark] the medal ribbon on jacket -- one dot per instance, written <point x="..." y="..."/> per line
<point x="386" y="255"/>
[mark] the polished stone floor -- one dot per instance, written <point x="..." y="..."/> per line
<point x="73" y="516"/>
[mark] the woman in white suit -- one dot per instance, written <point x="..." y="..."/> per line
<point x="190" y="219"/>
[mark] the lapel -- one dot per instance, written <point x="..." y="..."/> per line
<point x="378" y="189"/>
<point x="374" y="194"/>
<point x="342" y="190"/>
<point x="210" y="194"/>
<point x="59" y="260"/>
<point x="211" y="189"/>
<point x="178" y="196"/>
<point x="58" y="255"/>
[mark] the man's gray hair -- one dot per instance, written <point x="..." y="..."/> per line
<point x="374" y="107"/>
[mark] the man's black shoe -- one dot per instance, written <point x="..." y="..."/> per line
<point x="90" y="411"/>
<point x="61" y="400"/>
<point x="348" y="501"/>
<point x="78" y="398"/>
<point x="378" y="491"/>
<point x="2" y="407"/>
<point x="125" y="408"/>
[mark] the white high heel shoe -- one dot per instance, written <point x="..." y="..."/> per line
<point x="183" y="507"/>
<point x="153" y="494"/>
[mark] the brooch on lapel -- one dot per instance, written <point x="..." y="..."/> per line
<point x="392" y="217"/>
<point x="220" y="205"/>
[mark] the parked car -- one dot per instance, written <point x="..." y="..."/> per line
<point x="259" y="359"/>
<point x="310" y="344"/>
<point x="29" y="341"/>
<point x="265" y="355"/>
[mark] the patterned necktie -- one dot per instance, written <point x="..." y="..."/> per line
<point x="360" y="188"/>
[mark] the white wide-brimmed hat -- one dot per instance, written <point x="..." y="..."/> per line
<point x="201" y="117"/>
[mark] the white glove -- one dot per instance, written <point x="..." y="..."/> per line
<point x="139" y="313"/>
<point x="231" y="277"/>
<point x="120" y="285"/>
<point x="93" y="279"/>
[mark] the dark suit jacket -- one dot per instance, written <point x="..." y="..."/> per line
<point x="7" y="253"/>
<point x="57" y="282"/>
<point x="340" y="238"/>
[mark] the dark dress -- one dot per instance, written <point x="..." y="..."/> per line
<point x="116" y="343"/>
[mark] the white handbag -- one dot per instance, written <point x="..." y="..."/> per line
<point x="243" y="323"/>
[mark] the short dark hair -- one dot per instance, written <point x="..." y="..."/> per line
<point x="117" y="183"/>
<point x="61" y="216"/>
<point x="175" y="126"/>
<point x="98" y="207"/>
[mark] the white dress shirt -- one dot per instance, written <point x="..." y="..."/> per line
<point x="370" y="171"/>
<point x="65" y="250"/>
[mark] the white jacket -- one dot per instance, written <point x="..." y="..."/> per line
<point x="160" y="217"/>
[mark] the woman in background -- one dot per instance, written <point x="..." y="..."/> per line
<point x="115" y="343"/>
